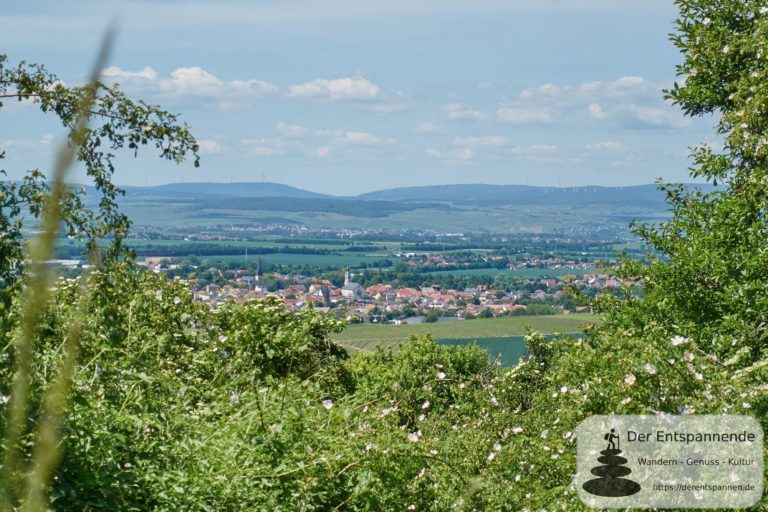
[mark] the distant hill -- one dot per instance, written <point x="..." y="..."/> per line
<point x="245" y="189"/>
<point x="475" y="194"/>
<point x="523" y="194"/>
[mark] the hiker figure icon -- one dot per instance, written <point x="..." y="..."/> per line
<point x="610" y="482"/>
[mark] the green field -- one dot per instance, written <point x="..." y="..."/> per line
<point x="317" y="260"/>
<point x="522" y="272"/>
<point x="497" y="219"/>
<point x="508" y="350"/>
<point x="367" y="337"/>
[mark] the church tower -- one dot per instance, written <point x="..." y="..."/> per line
<point x="259" y="272"/>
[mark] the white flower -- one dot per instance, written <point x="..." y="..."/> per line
<point x="544" y="433"/>
<point x="564" y="389"/>
<point x="421" y="472"/>
<point x="650" y="369"/>
<point x="411" y="507"/>
<point x="425" y="405"/>
<point x="517" y="430"/>
<point x="496" y="447"/>
<point x="462" y="385"/>
<point x="234" y="399"/>
<point x="369" y="447"/>
<point x="176" y="300"/>
<point x="414" y="436"/>
<point x="491" y="456"/>
<point x="763" y="10"/>
<point x="629" y="379"/>
<point x="433" y="452"/>
<point x="223" y="338"/>
<point x="159" y="295"/>
<point x="679" y="340"/>
<point x="440" y="375"/>
<point x="554" y="395"/>
<point x="688" y="356"/>
<point x="494" y="401"/>
<point x="422" y="417"/>
<point x="327" y="403"/>
<point x="4" y="399"/>
<point x="625" y="401"/>
<point x="746" y="405"/>
<point x="726" y="49"/>
<point x="707" y="21"/>
<point x="517" y="478"/>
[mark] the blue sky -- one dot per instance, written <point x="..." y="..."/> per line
<point x="344" y="97"/>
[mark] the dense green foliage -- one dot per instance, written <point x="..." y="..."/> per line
<point x="120" y="124"/>
<point x="177" y="407"/>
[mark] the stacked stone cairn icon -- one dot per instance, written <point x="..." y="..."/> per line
<point x="610" y="482"/>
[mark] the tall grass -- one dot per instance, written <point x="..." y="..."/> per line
<point x="27" y="487"/>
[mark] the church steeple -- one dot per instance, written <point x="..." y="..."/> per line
<point x="346" y="278"/>
<point x="259" y="271"/>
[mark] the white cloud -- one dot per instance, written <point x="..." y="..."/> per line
<point x="27" y="144"/>
<point x="541" y="149"/>
<point x="435" y="153"/>
<point x="195" y="81"/>
<point x="523" y="115"/>
<point x="191" y="82"/>
<point x="547" y="90"/>
<point x="291" y="130"/>
<point x="115" y="72"/>
<point x="629" y="100"/>
<point x="604" y="147"/>
<point x="388" y="108"/>
<point x="458" y="111"/>
<point x="355" y="138"/>
<point x="346" y="88"/>
<point x="596" y="111"/>
<point x="655" y="116"/>
<point x="209" y="147"/>
<point x="266" y="147"/>
<point x="474" y="142"/>
<point x="428" y="128"/>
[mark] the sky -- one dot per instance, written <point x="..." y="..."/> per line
<point x="349" y="96"/>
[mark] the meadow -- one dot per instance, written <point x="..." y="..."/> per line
<point x="520" y="272"/>
<point x="367" y="337"/>
<point x="333" y="261"/>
